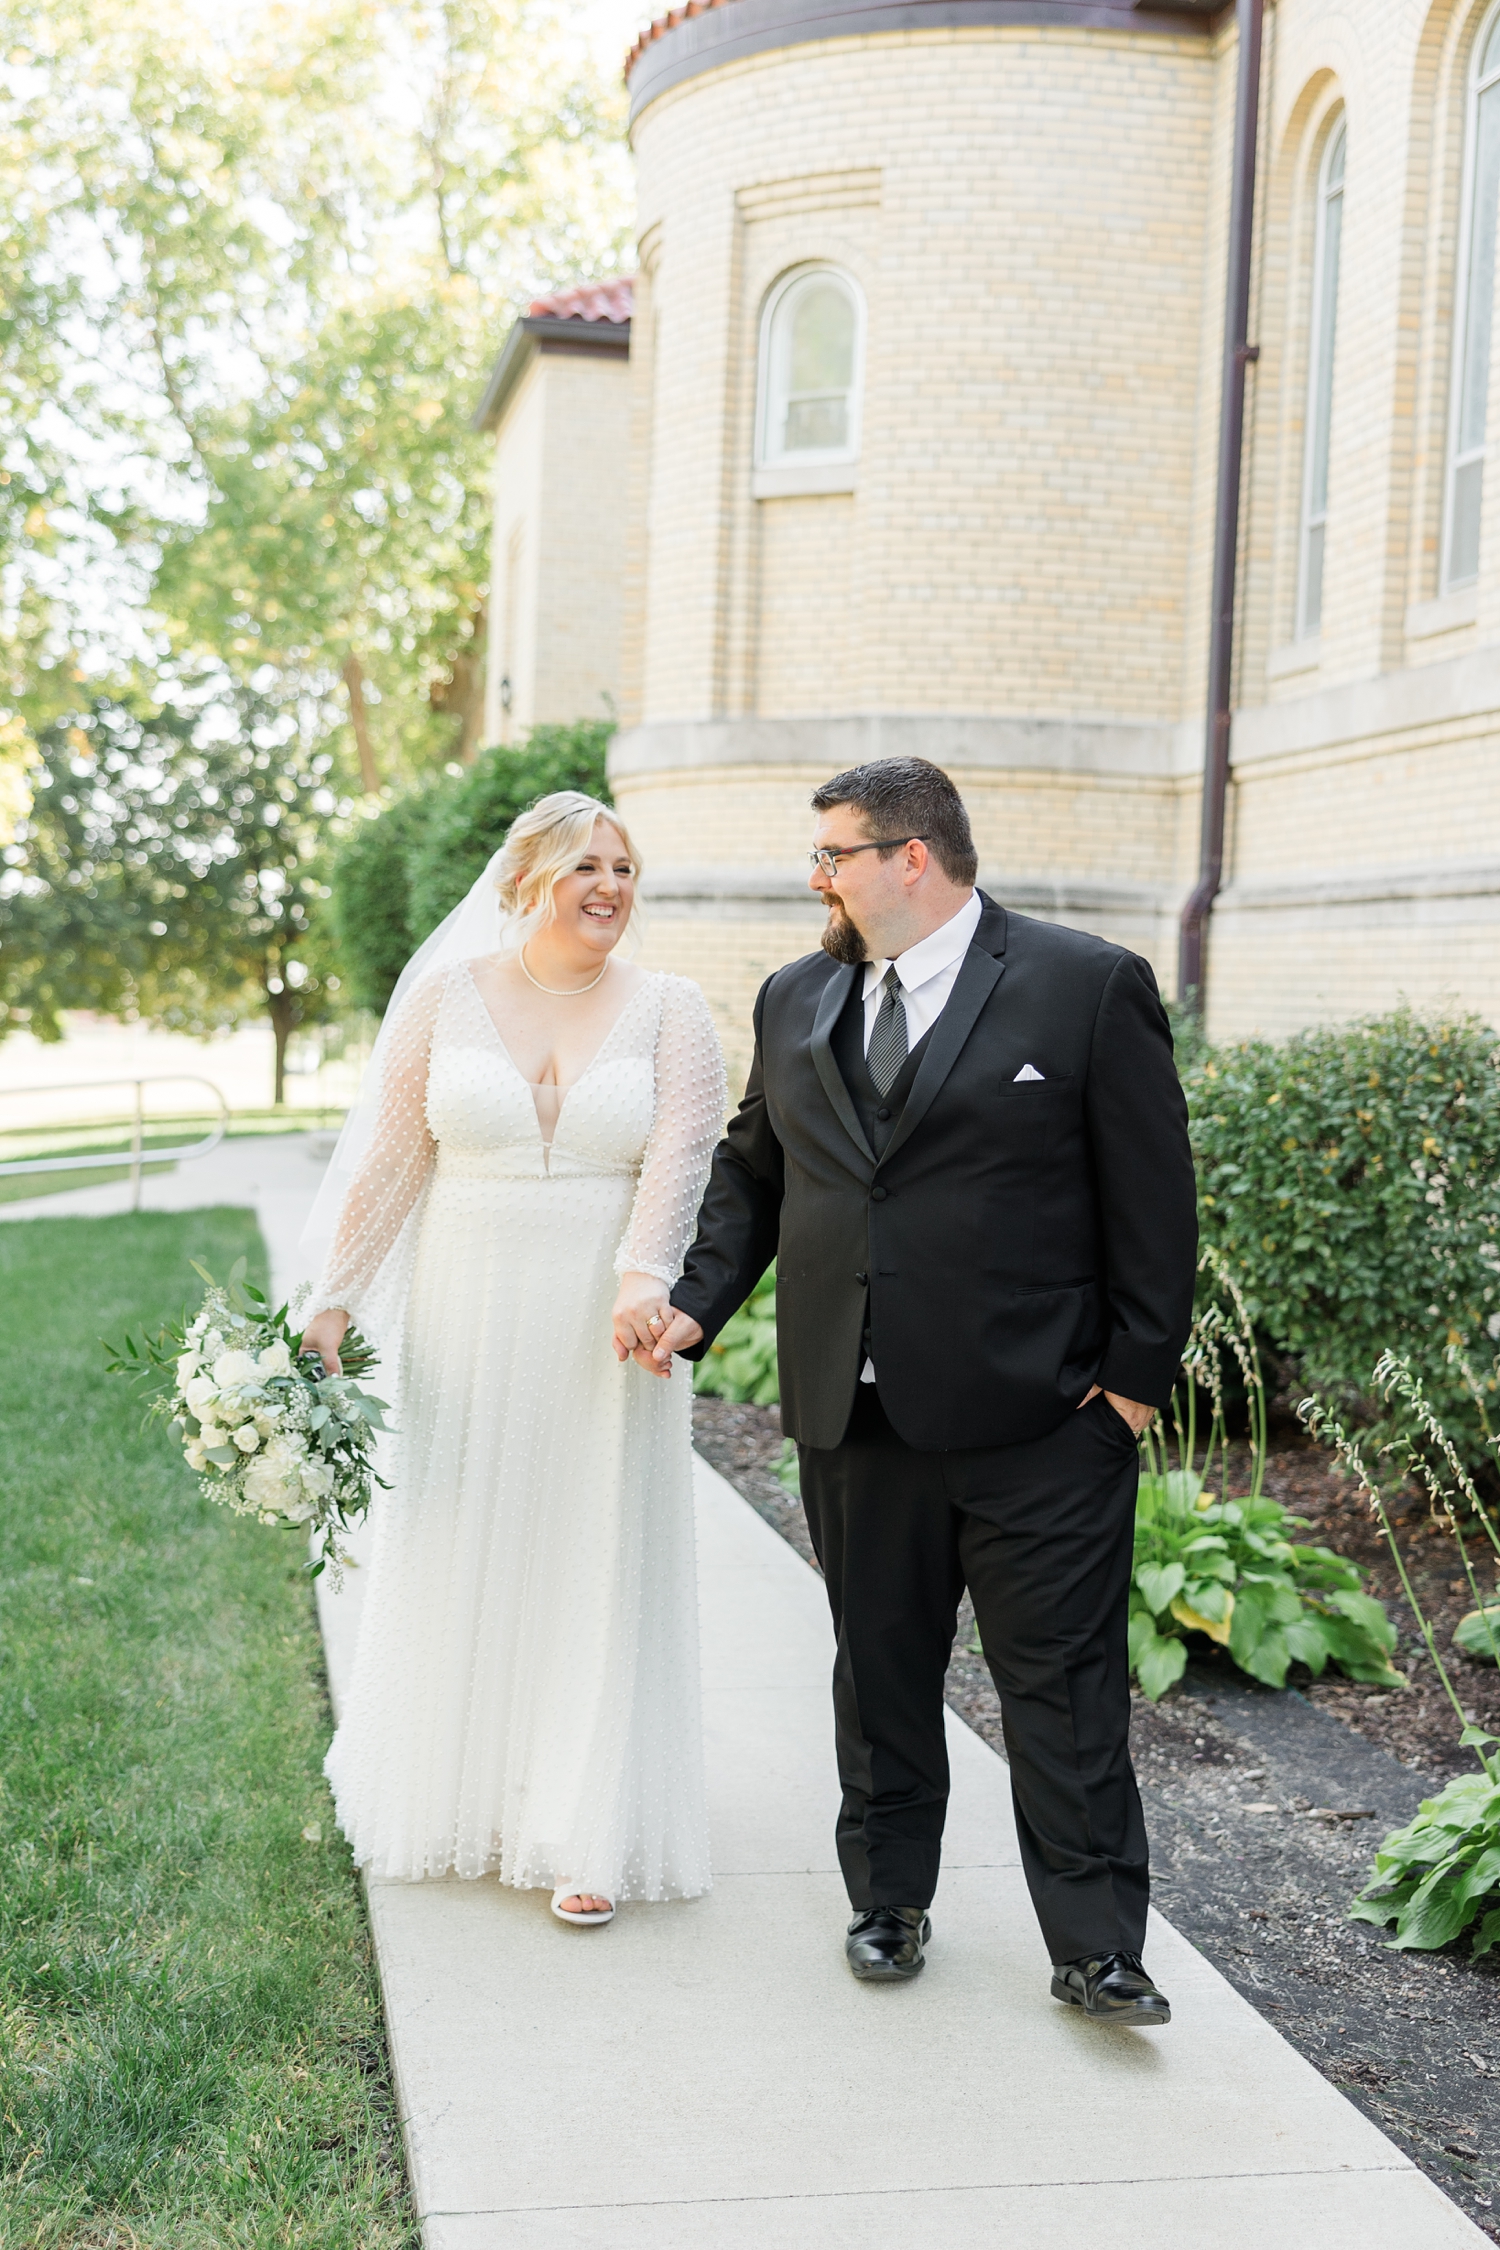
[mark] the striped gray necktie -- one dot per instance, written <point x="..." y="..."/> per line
<point x="888" y="1039"/>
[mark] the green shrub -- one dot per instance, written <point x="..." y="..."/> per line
<point x="372" y="898"/>
<point x="396" y="876"/>
<point x="1350" y="1177"/>
<point x="468" y="818"/>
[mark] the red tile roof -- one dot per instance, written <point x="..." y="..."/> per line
<point x="589" y="300"/>
<point x="664" y="24"/>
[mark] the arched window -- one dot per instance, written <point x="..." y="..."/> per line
<point x="810" y="350"/>
<point x="1476" y="271"/>
<point x="1325" y="298"/>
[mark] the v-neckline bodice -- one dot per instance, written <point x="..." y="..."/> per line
<point x="534" y="1086"/>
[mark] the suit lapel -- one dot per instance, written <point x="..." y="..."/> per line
<point x="975" y="981"/>
<point x="835" y="993"/>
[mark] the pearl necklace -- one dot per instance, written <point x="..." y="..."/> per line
<point x="559" y="992"/>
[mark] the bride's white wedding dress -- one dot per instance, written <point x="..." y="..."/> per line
<point x="525" y="1696"/>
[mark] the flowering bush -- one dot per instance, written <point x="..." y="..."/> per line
<point x="266" y="1431"/>
<point x="1350" y="1179"/>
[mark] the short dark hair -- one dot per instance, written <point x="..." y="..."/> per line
<point x="905" y="797"/>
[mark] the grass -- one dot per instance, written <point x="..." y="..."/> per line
<point x="191" y="2048"/>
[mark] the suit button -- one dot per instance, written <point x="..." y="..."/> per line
<point x="862" y="1278"/>
<point x="877" y="1195"/>
<point x="882" y="1115"/>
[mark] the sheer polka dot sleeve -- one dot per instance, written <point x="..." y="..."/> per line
<point x="691" y="1096"/>
<point x="385" y="1189"/>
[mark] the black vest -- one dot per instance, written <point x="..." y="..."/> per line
<point x="879" y="1114"/>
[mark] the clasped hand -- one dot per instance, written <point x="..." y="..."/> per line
<point x="647" y="1327"/>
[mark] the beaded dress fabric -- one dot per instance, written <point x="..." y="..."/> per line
<point x="525" y="1695"/>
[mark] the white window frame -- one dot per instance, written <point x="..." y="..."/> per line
<point x="1476" y="86"/>
<point x="1322" y="342"/>
<point x="814" y="468"/>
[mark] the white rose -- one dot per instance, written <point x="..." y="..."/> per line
<point x="234" y="1369"/>
<point x="317" y="1478"/>
<point x="275" y="1359"/>
<point x="187" y="1368"/>
<point x="264" y="1487"/>
<point x="201" y="1393"/>
<point x="196" y="1453"/>
<point x="266" y="1419"/>
<point x="245" y="1438"/>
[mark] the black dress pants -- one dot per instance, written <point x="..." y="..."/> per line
<point x="1041" y="1533"/>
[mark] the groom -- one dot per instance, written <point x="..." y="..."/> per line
<point x="964" y="1142"/>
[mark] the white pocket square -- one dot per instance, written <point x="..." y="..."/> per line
<point x="1027" y="1070"/>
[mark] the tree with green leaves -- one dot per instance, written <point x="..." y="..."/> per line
<point x="255" y="270"/>
<point x="171" y="868"/>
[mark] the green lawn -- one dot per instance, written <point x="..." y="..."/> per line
<point x="191" y="2049"/>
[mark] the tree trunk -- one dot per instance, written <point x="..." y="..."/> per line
<point x="354" y="681"/>
<point x="284" y="1013"/>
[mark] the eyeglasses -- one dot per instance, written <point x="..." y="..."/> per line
<point x="829" y="861"/>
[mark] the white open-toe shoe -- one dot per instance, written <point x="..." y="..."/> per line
<point x="578" y="1890"/>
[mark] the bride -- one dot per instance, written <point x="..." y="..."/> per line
<point x="525" y="1699"/>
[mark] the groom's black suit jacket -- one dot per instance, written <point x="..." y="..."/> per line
<point x="1012" y="1242"/>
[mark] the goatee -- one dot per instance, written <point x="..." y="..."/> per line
<point x="841" y="939"/>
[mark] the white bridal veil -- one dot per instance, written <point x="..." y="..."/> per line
<point x="477" y="925"/>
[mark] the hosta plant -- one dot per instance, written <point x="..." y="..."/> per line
<point x="1219" y="1562"/>
<point x="1439" y="1875"/>
<point x="740" y="1364"/>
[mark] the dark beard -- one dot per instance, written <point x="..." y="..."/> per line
<point x="841" y="940"/>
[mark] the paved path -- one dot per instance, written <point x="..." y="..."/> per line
<point x="709" y="2077"/>
<point x="275" y="1174"/>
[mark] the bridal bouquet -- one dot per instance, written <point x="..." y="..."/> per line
<point x="265" y="1430"/>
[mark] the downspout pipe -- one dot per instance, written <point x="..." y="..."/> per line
<point x="1238" y="353"/>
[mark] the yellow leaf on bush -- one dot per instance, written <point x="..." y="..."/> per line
<point x="1217" y="1629"/>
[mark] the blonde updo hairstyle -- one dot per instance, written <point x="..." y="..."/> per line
<point x="541" y="846"/>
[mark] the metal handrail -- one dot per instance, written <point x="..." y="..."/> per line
<point x="11" y="1167"/>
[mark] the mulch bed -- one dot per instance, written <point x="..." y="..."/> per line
<point x="1413" y="2039"/>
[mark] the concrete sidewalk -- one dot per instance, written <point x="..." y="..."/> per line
<point x="709" y="2075"/>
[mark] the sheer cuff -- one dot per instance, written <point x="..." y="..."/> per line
<point x="322" y="1301"/>
<point x="625" y="1263"/>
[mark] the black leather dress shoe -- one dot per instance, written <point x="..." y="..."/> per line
<point x="1110" y="1987"/>
<point x="885" y="1943"/>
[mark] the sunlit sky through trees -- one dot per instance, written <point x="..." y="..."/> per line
<point x="257" y="261"/>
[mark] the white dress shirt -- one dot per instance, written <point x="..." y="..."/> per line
<point x="926" y="974"/>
